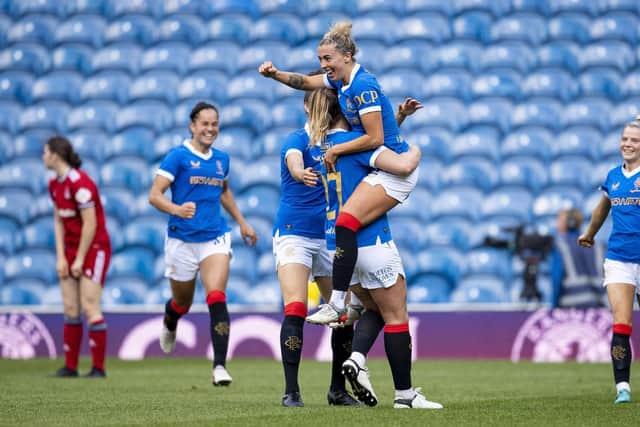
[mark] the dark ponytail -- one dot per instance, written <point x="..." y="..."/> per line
<point x="63" y="148"/>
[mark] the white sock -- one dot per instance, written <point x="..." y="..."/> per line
<point x="337" y="299"/>
<point x="359" y="358"/>
<point x="405" y="394"/>
<point x="354" y="300"/>
<point x="623" y="386"/>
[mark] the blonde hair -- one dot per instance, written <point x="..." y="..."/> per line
<point x="340" y="35"/>
<point x="324" y="113"/>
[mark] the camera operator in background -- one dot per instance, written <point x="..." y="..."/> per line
<point x="576" y="271"/>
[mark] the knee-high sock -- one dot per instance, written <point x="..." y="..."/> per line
<point x="98" y="343"/>
<point x="341" y="341"/>
<point x="367" y="330"/>
<point x="346" y="255"/>
<point x="172" y="313"/>
<point x="291" y="335"/>
<point x="621" y="352"/>
<point x="397" y="345"/>
<point x="72" y="337"/>
<point x="219" y="315"/>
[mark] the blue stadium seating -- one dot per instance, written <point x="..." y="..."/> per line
<point x="446" y="112"/>
<point x="430" y="27"/>
<point x="31" y="143"/>
<point x="433" y="142"/>
<point x="115" y="8"/>
<point x="58" y="85"/>
<point x="623" y="113"/>
<point x="251" y="85"/>
<point x="211" y="8"/>
<point x="489" y="261"/>
<point x="554" y="199"/>
<point x="118" y="56"/>
<point x="404" y="82"/>
<point x="288" y="114"/>
<point x="26" y="173"/>
<point x="446" y="263"/>
<point x="473" y="26"/>
<point x="256" y="53"/>
<point x="511" y="54"/>
<point x="444" y="8"/>
<point x="571" y="171"/>
<point x="559" y="54"/>
<point x="616" y="26"/>
<point x="132" y="263"/>
<point x="45" y="114"/>
<point x="182" y="28"/>
<point x="9" y="116"/>
<point x="630" y="84"/>
<point x="581" y="141"/>
<point x="37" y="29"/>
<point x="171" y="56"/>
<point x="6" y="147"/>
<point x="496" y="7"/>
<point x="206" y="84"/>
<point x="73" y="57"/>
<point x="428" y="289"/>
<point x="231" y="27"/>
<point x="127" y="172"/>
<point x="525" y="27"/>
<point x="618" y="5"/>
<point x="10" y="238"/>
<point x="73" y="7"/>
<point x="539" y="112"/>
<point x="244" y="262"/>
<point x="499" y="83"/>
<point x="558" y="6"/>
<point x="215" y="55"/>
<point x="551" y="82"/>
<point x="265" y="264"/>
<point x="470" y="171"/>
<point x="588" y="112"/>
<point x="370" y="52"/>
<point x="25" y="57"/>
<point x="18" y="8"/>
<point x="447" y="232"/>
<point x="131" y="29"/>
<point x="39" y="206"/>
<point x="457" y="203"/>
<point x="316" y="26"/>
<point x="601" y="83"/>
<point x="456" y="83"/>
<point x="134" y="141"/>
<point x="480" y="141"/>
<point x="571" y="26"/>
<point x="107" y="85"/>
<point x="408" y="233"/>
<point x="39" y="235"/>
<point x="259" y="200"/>
<point x="540" y="7"/>
<point x="265" y="293"/>
<point x="268" y="144"/>
<point x="612" y="53"/>
<point x="22" y="292"/>
<point x="37" y="264"/>
<point x="417" y="205"/>
<point x="528" y="141"/>
<point x="16" y="85"/>
<point x="89" y="144"/>
<point x="126" y="290"/>
<point x="93" y="114"/>
<point x="263" y="228"/>
<point x="456" y="54"/>
<point x="480" y="289"/>
<point x="153" y="114"/>
<point x="253" y="115"/>
<point x="160" y="85"/>
<point x="507" y="202"/>
<point x="12" y="197"/>
<point x="367" y="27"/>
<point x="491" y="111"/>
<point x="403" y="55"/>
<point x="147" y="233"/>
<point x="281" y="27"/>
<point x="85" y="29"/>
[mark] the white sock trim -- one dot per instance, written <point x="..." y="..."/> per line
<point x="337" y="299"/>
<point x="359" y="358"/>
<point x="623" y="386"/>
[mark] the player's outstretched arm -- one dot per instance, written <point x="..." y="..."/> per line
<point x="294" y="80"/>
<point x="598" y="217"/>
<point x="295" y="164"/>
<point x="399" y="164"/>
<point x="407" y="108"/>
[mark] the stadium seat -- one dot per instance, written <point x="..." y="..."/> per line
<point x="554" y="199"/>
<point x="507" y="202"/>
<point x="509" y="54"/>
<point x="475" y="172"/>
<point x="572" y="172"/>
<point x="630" y="85"/>
<point x="182" y="28"/>
<point x="37" y="29"/>
<point x="207" y="84"/>
<point x="446" y="263"/>
<point x="250" y="58"/>
<point x="601" y="83"/>
<point x="528" y="141"/>
<point x="127" y="172"/>
<point x="133" y="141"/>
<point x="72" y="57"/>
<point x="282" y="27"/>
<point x="10" y="116"/>
<point x="18" y="8"/>
<point x="251" y="85"/>
<point x="403" y="82"/>
<point x="430" y="27"/>
<point x="623" y="113"/>
<point x="619" y="5"/>
<point x="524" y="171"/>
<point x="445" y="112"/>
<point x="524" y="27"/>
<point x="317" y="25"/>
<point x="455" y="83"/>
<point x="22" y="292"/>
<point x="244" y="262"/>
<point x="403" y="55"/>
<point x="6" y="147"/>
<point x="215" y="55"/>
<point x="115" y="8"/>
<point x="12" y="197"/>
<point x="37" y="264"/>
<point x="581" y="141"/>
<point x="16" y="85"/>
<point x="428" y="289"/>
<point x="288" y="114"/>
<point x="263" y="228"/>
<point x="25" y="57"/>
<point x="58" y="85"/>
<point x="491" y="112"/>
<point x="107" y="85"/>
<point x="254" y="115"/>
<point x="408" y="233"/>
<point x="609" y="148"/>
<point x="131" y="29"/>
<point x="489" y="261"/>
<point x="74" y="7"/>
<point x="559" y="54"/>
<point x="612" y="53"/>
<point x="417" y="205"/>
<point x="588" y="112"/>
<point x="38" y="235"/>
<point x="259" y="199"/>
<point x="147" y="233"/>
<point x="39" y="206"/>
<point x="31" y="143"/>
<point x="119" y="56"/>
<point x="616" y="26"/>
<point x="433" y="143"/>
<point x="369" y="52"/>
<point x="84" y="29"/>
<point x="560" y="6"/>
<point x="11" y="239"/>
<point x="480" y="289"/>
<point x="497" y="7"/>
<point x="45" y="114"/>
<point x="479" y="141"/>
<point x="571" y="26"/>
<point x="153" y="114"/>
<point x="266" y="293"/>
<point x="93" y="114"/>
<point x="472" y="26"/>
<point x="539" y="112"/>
<point x="540" y="7"/>
<point x="457" y="54"/>
<point x="551" y="82"/>
<point x="328" y="6"/>
<point x="459" y="202"/>
<point x="212" y="8"/>
<point x="231" y="27"/>
<point x="171" y="56"/>
<point x="499" y="83"/>
<point x="133" y="263"/>
<point x="159" y="85"/>
<point x="268" y="144"/>
<point x="367" y="27"/>
<point x="123" y="291"/>
<point x="448" y="232"/>
<point x="159" y="294"/>
<point x="265" y="265"/>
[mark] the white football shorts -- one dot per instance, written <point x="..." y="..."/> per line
<point x="312" y="253"/>
<point x="396" y="187"/>
<point x="182" y="259"/>
<point x="622" y="272"/>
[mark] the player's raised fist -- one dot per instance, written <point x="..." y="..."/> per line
<point x="267" y="69"/>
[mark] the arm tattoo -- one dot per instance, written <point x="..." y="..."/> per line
<point x="296" y="81"/>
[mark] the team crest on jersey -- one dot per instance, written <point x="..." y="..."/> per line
<point x="194" y="164"/>
<point x="23" y="336"/>
<point x="564" y="334"/>
<point x="636" y="184"/>
<point x="219" y="167"/>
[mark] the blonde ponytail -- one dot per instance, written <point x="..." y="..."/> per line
<point x="324" y="113"/>
<point x="340" y="35"/>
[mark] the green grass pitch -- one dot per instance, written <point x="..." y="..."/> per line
<point x="168" y="392"/>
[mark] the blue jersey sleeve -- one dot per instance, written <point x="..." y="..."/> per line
<point x="606" y="187"/>
<point x="170" y="164"/>
<point x="330" y="83"/>
<point x="367" y="95"/>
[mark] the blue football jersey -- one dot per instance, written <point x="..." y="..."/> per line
<point x="302" y="209"/>
<point x="339" y="185"/>
<point x="363" y="95"/>
<point x="198" y="178"/>
<point x="623" y="190"/>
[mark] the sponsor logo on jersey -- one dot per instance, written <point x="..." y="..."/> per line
<point x="206" y="180"/>
<point x="625" y="201"/>
<point x="194" y="164"/>
<point x="366" y="97"/>
<point x="23" y="336"/>
<point x="66" y="213"/>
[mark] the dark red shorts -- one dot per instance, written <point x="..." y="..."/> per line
<point x="96" y="262"/>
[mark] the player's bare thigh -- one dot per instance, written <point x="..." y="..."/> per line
<point x="214" y="272"/>
<point x="367" y="203"/>
<point x="90" y="295"/>
<point x="392" y="302"/>
<point x="293" y="279"/>
<point x="621" y="298"/>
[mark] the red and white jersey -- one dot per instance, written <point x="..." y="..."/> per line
<point x="71" y="193"/>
